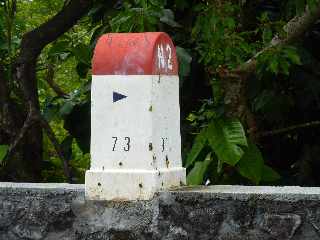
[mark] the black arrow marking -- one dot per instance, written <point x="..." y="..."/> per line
<point x="118" y="96"/>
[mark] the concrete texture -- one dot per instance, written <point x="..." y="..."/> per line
<point x="59" y="211"/>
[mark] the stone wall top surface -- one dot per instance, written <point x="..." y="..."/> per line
<point x="237" y="192"/>
<point x="59" y="211"/>
<point x="44" y="186"/>
<point x="244" y="192"/>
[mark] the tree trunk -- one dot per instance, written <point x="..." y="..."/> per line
<point x="25" y="74"/>
<point x="11" y="118"/>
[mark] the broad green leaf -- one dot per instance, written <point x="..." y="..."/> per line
<point x="219" y="166"/>
<point x="96" y="8"/>
<point x="198" y="145"/>
<point x="293" y="55"/>
<point x="312" y="4"/>
<point x="50" y="111"/>
<point x="229" y="23"/>
<point x="251" y="164"/>
<point x="3" y="151"/>
<point x="63" y="56"/>
<point x="191" y="117"/>
<point x="168" y="18"/>
<point x="117" y="22"/>
<point x="59" y="48"/>
<point x="226" y="138"/>
<point x="196" y="175"/>
<point x="82" y="53"/>
<point x="295" y="59"/>
<point x="82" y="69"/>
<point x="264" y="17"/>
<point x="66" y="108"/>
<point x="284" y="66"/>
<point x="184" y="61"/>
<point x="266" y="35"/>
<point x="274" y="66"/>
<point x="269" y="175"/>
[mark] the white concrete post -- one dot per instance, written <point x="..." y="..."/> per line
<point x="135" y="118"/>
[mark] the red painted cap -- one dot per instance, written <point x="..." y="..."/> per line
<point x="150" y="53"/>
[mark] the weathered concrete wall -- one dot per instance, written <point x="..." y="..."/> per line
<point x="58" y="211"/>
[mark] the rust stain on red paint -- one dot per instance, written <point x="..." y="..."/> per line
<point x="135" y="54"/>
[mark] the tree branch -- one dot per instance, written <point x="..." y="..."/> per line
<point x="290" y="128"/>
<point x="50" y="80"/>
<point x="235" y="81"/>
<point x="38" y="38"/>
<point x="294" y="29"/>
<point x="34" y="41"/>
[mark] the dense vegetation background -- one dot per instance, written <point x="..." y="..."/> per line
<point x="250" y="87"/>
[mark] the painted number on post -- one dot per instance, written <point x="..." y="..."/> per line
<point x="165" y="57"/>
<point x="163" y="145"/>
<point x="126" y="145"/>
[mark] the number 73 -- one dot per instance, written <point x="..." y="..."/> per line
<point x="126" y="145"/>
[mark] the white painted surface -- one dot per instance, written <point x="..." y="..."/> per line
<point x="135" y="141"/>
<point x="260" y="190"/>
<point x="166" y="121"/>
<point x="112" y="123"/>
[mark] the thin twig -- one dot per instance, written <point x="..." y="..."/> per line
<point x="33" y="117"/>
<point x="288" y="129"/>
<point x="30" y="120"/>
<point x="46" y="126"/>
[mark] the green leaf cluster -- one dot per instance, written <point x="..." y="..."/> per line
<point x="216" y="36"/>
<point x="277" y="60"/>
<point x="3" y="152"/>
<point x="142" y="16"/>
<point x="225" y="145"/>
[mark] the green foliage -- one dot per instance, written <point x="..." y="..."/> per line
<point x="78" y="161"/>
<point x="199" y="143"/>
<point x="184" y="59"/>
<point x="217" y="40"/>
<point x="226" y="139"/>
<point x="142" y="16"/>
<point x="228" y="149"/>
<point x="278" y="60"/>
<point x="224" y="40"/>
<point x="298" y="6"/>
<point x="196" y="175"/>
<point x="3" y="152"/>
<point x="251" y="164"/>
<point x="269" y="175"/>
